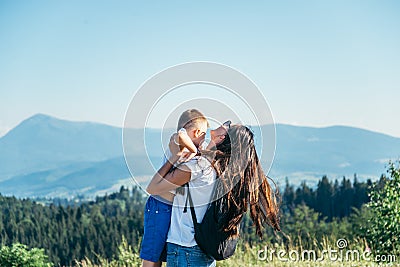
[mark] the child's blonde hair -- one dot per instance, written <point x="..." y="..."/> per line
<point x="191" y="118"/>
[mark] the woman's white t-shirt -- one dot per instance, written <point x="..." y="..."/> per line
<point x="181" y="231"/>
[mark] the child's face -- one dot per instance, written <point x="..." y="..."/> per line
<point x="198" y="133"/>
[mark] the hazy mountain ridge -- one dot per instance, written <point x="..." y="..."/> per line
<point x="334" y="149"/>
<point x="42" y="142"/>
<point x="44" y="155"/>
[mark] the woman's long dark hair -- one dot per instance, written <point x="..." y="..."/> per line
<point x="242" y="184"/>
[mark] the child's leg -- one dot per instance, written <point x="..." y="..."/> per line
<point x="146" y="263"/>
<point x="157" y="217"/>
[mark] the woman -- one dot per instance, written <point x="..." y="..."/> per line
<point x="242" y="184"/>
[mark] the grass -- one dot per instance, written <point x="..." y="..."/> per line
<point x="296" y="256"/>
<point x="267" y="255"/>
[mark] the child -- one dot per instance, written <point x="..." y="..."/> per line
<point x="192" y="127"/>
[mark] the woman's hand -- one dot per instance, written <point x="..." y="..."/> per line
<point x="186" y="156"/>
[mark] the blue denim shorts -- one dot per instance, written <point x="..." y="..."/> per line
<point x="157" y="219"/>
<point x="179" y="256"/>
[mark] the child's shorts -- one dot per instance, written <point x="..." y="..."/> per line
<point x="157" y="219"/>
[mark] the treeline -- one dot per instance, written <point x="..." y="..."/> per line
<point x="331" y="199"/>
<point x="332" y="210"/>
<point x="74" y="231"/>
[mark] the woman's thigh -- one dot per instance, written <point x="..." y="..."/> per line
<point x="196" y="257"/>
<point x="178" y="256"/>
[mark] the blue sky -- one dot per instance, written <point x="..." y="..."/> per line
<point x="318" y="63"/>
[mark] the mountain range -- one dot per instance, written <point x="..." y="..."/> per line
<point x="46" y="156"/>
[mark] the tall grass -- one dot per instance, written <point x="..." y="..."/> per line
<point x="267" y="255"/>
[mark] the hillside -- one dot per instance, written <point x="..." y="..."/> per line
<point x="46" y="156"/>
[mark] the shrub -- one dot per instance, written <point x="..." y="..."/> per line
<point x="383" y="231"/>
<point x="18" y="255"/>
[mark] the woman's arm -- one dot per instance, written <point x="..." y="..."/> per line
<point x="163" y="180"/>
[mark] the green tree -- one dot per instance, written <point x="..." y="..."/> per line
<point x="304" y="225"/>
<point x="384" y="224"/>
<point x="19" y="255"/>
<point x="324" y="201"/>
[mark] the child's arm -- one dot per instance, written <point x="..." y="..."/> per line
<point x="185" y="141"/>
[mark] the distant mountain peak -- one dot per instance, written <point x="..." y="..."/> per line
<point x="32" y="122"/>
<point x="43" y="119"/>
<point x="39" y="117"/>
